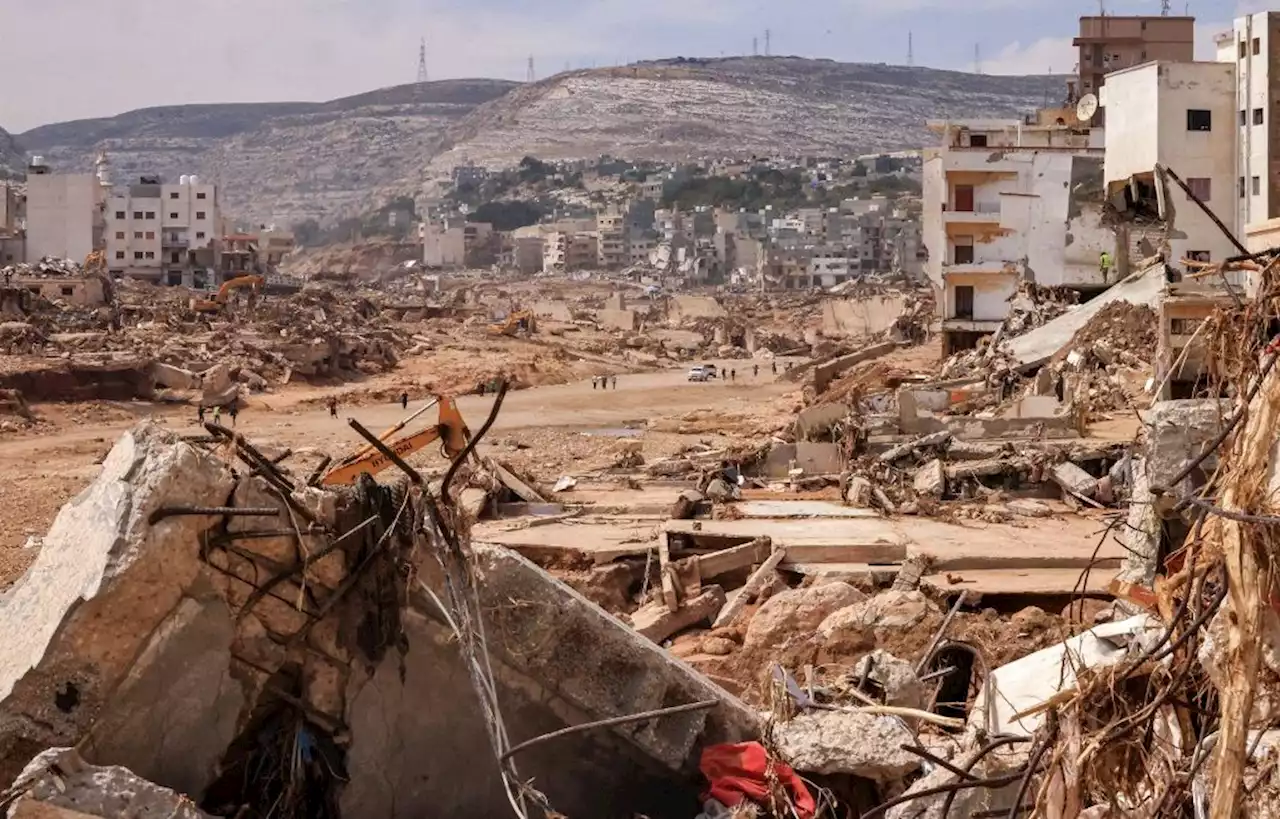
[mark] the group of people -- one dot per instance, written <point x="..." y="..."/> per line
<point x="232" y="411"/>
<point x="603" y="381"/>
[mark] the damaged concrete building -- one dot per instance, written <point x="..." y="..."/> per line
<point x="1005" y="202"/>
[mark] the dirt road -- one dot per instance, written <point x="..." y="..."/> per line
<point x="48" y="469"/>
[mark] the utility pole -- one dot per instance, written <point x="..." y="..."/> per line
<point x="977" y="58"/>
<point x="529" y="75"/>
<point x="755" y="46"/>
<point x="768" y="37"/>
<point x="911" y="53"/>
<point x="422" y="61"/>
<point x="1165" y="7"/>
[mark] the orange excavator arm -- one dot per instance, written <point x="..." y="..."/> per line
<point x="451" y="430"/>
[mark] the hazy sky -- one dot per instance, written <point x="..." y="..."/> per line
<point x="70" y="59"/>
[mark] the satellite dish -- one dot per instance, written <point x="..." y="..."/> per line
<point x="1086" y="107"/>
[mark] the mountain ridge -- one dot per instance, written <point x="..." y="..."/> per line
<point x="285" y="162"/>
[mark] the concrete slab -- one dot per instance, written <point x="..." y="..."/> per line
<point x="1020" y="581"/>
<point x="1034" y="348"/>
<point x="800" y="509"/>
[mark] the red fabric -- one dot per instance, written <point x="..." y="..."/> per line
<point x="742" y="771"/>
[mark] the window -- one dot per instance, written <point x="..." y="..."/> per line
<point x="137" y="234"/>
<point x="1240" y="186"/>
<point x="137" y="255"/>
<point x="1256" y="185"/>
<point x="173" y="195"/>
<point x="1244" y="49"/>
<point x="1200" y="187"/>
<point x="964" y="301"/>
<point x="200" y="214"/>
<point x="137" y="214"/>
<point x="119" y="234"/>
<point x="67" y="290"/>
<point x="1243" y="117"/>
<point x="119" y="254"/>
<point x="977" y="140"/>
<point x="1257" y="45"/>
<point x="201" y="195"/>
<point x="200" y="234"/>
<point x="151" y="235"/>
<point x="120" y="215"/>
<point x="1257" y="116"/>
<point x="964" y="254"/>
<point x="151" y="214"/>
<point x="151" y="254"/>
<point x="173" y="216"/>
<point x="1198" y="119"/>
<point x="1198" y="255"/>
<point x="175" y="257"/>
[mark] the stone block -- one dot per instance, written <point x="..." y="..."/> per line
<point x="1069" y="476"/>
<point x="657" y="623"/>
<point x="841" y="742"/>
<point x="931" y="479"/>
<point x="82" y="791"/>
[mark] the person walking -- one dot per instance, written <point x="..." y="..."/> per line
<point x="733" y="375"/>
<point x="1104" y="264"/>
<point x="217" y="415"/>
<point x="404" y="400"/>
<point x="333" y="407"/>
<point x="200" y="413"/>
<point x="774" y="365"/>
<point x="595" y="382"/>
<point x="755" y="370"/>
<point x="233" y="412"/>
<point x="614" y="380"/>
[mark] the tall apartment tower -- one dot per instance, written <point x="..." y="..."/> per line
<point x="1107" y="44"/>
<point x="1252" y="44"/>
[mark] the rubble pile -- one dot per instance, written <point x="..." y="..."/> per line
<point x="1035" y="305"/>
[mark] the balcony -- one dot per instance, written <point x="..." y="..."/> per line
<point x="983" y="268"/>
<point x="982" y="214"/>
<point x="174" y="240"/>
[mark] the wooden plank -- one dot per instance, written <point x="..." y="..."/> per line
<point x="735" y="557"/>
<point x="669" y="596"/>
<point x="753" y="586"/>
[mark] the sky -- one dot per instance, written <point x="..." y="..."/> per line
<point x="73" y="59"/>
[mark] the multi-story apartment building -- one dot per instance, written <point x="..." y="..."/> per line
<point x="1000" y="199"/>
<point x="1181" y="116"/>
<point x="830" y="265"/>
<point x="1252" y="47"/>
<point x="164" y="232"/>
<point x="64" y="213"/>
<point x="565" y="252"/>
<point x="612" y="229"/>
<point x="1106" y="44"/>
<point x="259" y="251"/>
<point x="640" y="246"/>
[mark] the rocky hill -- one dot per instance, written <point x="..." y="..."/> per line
<point x="278" y="162"/>
<point x="290" y="161"/>
<point x="678" y="109"/>
<point x="12" y="159"/>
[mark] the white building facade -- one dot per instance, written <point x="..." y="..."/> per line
<point x="165" y="232"/>
<point x="1007" y="201"/>
<point x="64" y="214"/>
<point x="1181" y="116"/>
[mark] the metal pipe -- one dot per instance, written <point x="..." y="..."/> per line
<point x="229" y="511"/>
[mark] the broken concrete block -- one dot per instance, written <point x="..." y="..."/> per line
<point x="175" y="378"/>
<point x="1142" y="531"/>
<point x="686" y="505"/>
<point x="896" y="678"/>
<point x="931" y="479"/>
<point x="842" y="742"/>
<point x="1073" y="478"/>
<point x="1177" y="433"/>
<point x="1028" y="508"/>
<point x="657" y="623"/>
<point x="858" y="492"/>
<point x="887" y="610"/>
<point x="795" y="613"/>
<point x="95" y="601"/>
<point x="79" y="790"/>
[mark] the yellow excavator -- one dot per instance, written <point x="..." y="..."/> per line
<point x="95" y="262"/>
<point x="517" y="322"/>
<point x="450" y="430"/>
<point x="220" y="298"/>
